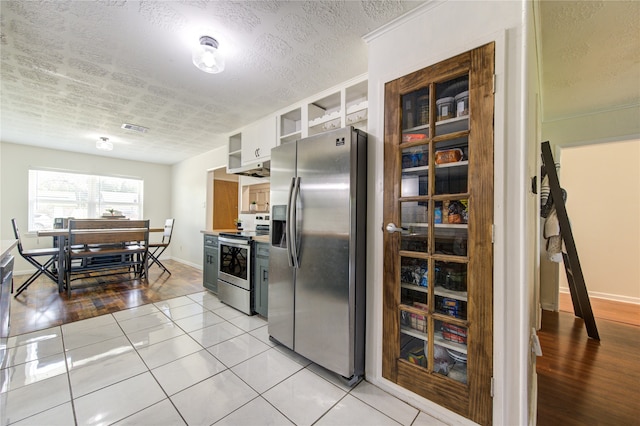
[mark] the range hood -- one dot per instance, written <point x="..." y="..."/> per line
<point x="257" y="170"/>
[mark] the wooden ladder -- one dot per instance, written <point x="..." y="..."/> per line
<point x="577" y="286"/>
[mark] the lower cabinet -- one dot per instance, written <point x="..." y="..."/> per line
<point x="261" y="278"/>
<point x="210" y="263"/>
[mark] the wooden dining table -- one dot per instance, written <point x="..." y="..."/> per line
<point x="60" y="237"/>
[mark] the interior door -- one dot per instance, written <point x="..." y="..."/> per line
<point x="438" y="213"/>
<point x="225" y="204"/>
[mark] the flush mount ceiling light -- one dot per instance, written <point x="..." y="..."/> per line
<point x="207" y="57"/>
<point x="103" y="144"/>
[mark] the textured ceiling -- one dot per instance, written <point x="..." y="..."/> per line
<point x="590" y="56"/>
<point x="73" y="71"/>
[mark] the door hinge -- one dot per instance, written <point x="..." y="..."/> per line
<point x="494" y="84"/>
<point x="493" y="233"/>
<point x="492" y="387"/>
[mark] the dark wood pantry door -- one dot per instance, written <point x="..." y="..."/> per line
<point x="438" y="211"/>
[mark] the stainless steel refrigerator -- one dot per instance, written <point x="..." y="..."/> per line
<point x="317" y="252"/>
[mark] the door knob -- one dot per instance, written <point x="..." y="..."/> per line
<point x="391" y="228"/>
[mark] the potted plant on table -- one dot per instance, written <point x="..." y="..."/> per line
<point x="253" y="206"/>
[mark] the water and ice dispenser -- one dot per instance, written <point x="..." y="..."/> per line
<point x="279" y="226"/>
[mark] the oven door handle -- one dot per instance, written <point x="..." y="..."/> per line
<point x="232" y="242"/>
<point x="293" y="219"/>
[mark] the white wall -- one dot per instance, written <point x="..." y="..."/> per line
<point x="189" y="202"/>
<point x="615" y="125"/>
<point x="621" y="124"/>
<point x="16" y="161"/>
<point x="603" y="202"/>
<point x="436" y="32"/>
<point x="532" y="137"/>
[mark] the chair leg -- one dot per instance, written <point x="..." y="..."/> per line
<point x="145" y="264"/>
<point x="154" y="258"/>
<point x="52" y="276"/>
<point x="41" y="269"/>
<point x="27" y="283"/>
<point x="68" y="276"/>
<point x="162" y="266"/>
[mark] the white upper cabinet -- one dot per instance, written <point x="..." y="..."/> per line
<point x="252" y="144"/>
<point x="257" y="140"/>
<point x="290" y="126"/>
<point x="340" y="106"/>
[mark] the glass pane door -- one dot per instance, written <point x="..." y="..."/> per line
<point x="438" y="176"/>
<point x="434" y="214"/>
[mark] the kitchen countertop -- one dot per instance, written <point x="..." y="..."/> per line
<point x="216" y="232"/>
<point x="6" y="246"/>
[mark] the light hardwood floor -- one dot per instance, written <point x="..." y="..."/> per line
<point x="41" y="306"/>
<point x="627" y="313"/>
<point x="582" y="381"/>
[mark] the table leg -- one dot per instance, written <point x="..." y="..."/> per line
<point x="61" y="263"/>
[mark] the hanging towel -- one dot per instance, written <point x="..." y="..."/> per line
<point x="552" y="235"/>
<point x="545" y="190"/>
<point x="555" y="244"/>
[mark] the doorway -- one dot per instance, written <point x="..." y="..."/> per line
<point x="225" y="199"/>
<point x="603" y="200"/>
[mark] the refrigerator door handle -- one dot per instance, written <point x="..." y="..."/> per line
<point x="289" y="227"/>
<point x="293" y="217"/>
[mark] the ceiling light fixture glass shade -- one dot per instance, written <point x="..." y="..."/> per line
<point x="207" y="57"/>
<point x="103" y="144"/>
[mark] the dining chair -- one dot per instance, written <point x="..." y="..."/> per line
<point x="156" y="249"/>
<point x="50" y="255"/>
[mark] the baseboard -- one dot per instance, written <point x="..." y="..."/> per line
<point x="549" y="307"/>
<point x="608" y="296"/>
<point x="193" y="265"/>
<point x="430" y="408"/>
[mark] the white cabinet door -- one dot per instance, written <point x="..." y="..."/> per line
<point x="257" y="140"/>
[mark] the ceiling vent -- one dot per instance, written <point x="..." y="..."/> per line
<point x="135" y="128"/>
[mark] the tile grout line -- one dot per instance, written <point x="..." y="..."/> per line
<point x="229" y="368"/>
<point x="152" y="375"/>
<point x="248" y="332"/>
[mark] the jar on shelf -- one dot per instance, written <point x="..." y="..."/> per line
<point x="422" y="106"/>
<point x="408" y="112"/>
<point x="445" y="108"/>
<point x="462" y="103"/>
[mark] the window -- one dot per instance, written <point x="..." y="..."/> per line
<point x="67" y="194"/>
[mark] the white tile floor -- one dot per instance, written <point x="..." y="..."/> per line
<point x="189" y="360"/>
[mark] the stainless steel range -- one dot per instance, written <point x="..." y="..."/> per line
<point x="235" y="274"/>
<point x="235" y="284"/>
